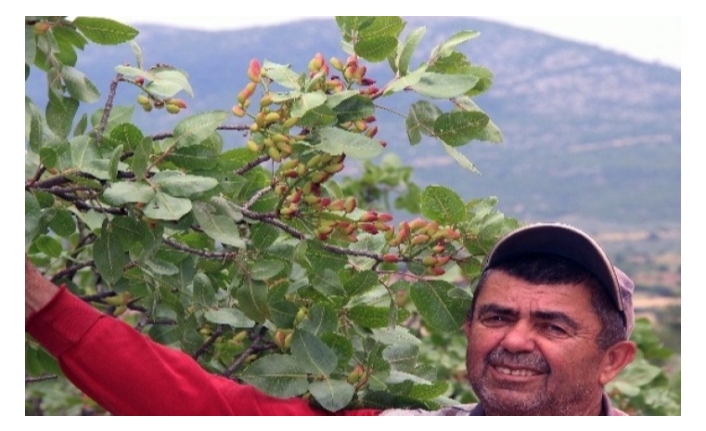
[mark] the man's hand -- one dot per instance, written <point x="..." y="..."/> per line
<point x="38" y="290"/>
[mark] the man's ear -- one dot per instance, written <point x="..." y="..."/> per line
<point x="615" y="358"/>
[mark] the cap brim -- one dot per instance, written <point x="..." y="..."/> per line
<point x="564" y="241"/>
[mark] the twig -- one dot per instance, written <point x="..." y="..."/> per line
<point x="108" y="107"/>
<point x="252" y="164"/>
<point x="257" y="196"/>
<point x="29" y="380"/>
<point x="212" y="339"/>
<point x="70" y="271"/>
<point x="249" y="351"/>
<point x="202" y="253"/>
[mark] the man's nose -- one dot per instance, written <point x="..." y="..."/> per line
<point x="519" y="338"/>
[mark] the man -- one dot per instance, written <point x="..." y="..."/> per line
<point x="547" y="329"/>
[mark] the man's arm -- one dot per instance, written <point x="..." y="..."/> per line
<point x="128" y="373"/>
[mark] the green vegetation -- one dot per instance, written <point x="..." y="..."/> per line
<point x="251" y="258"/>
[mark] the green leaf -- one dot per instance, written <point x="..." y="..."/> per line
<point x="369" y="317"/>
<point x="429" y="392"/>
<point x="79" y="86"/>
<point x="229" y="316"/>
<point x="63" y="223"/>
<point x="252" y="299"/>
<point x="104" y="31"/>
<point x="282" y="74"/>
<point x="410" y="44"/>
<point x="33" y="125"/>
<point x="354" y="108"/>
<point x="442" y="205"/>
<point x="315" y="356"/>
<point x="30" y="44"/>
<point x="327" y="282"/>
<point x="181" y="185"/>
<point x="443" y="86"/>
<point x="127" y="192"/>
<point x="491" y="132"/>
<point x="118" y="115"/>
<point x="126" y="134"/>
<point x="266" y="269"/>
<point x="322" y="319"/>
<point x="376" y="49"/>
<point x="351" y="24"/>
<point x="380" y="26"/>
<point x="32" y="214"/>
<point x="459" y="128"/>
<point x="108" y="254"/>
<point x="166" y="207"/>
<point x="318" y="117"/>
<point x="83" y="153"/>
<point x="48" y="245"/>
<point x="447" y="47"/>
<point x="263" y="235"/>
<point x="114" y="162"/>
<point x="60" y="114"/>
<point x="404" y="82"/>
<point x="336" y="141"/>
<point x="134" y="233"/>
<point x="318" y="259"/>
<point x="218" y="225"/>
<point x="361" y="282"/>
<point x="277" y="375"/>
<point x="70" y="35"/>
<point x="140" y="160"/>
<point x="333" y="395"/>
<point x="307" y="102"/>
<point x="437" y="308"/>
<point x="420" y="120"/>
<point x="175" y="77"/>
<point x="401" y="357"/>
<point x="460" y="158"/>
<point x="192" y="130"/>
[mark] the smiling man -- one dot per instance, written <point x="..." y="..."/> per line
<point x="547" y="329"/>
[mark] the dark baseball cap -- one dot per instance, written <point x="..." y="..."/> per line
<point x="575" y="245"/>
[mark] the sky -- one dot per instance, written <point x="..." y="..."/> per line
<point x="647" y="38"/>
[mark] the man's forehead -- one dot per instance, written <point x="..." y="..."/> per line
<point x="507" y="291"/>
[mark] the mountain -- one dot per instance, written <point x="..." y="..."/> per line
<point x="590" y="136"/>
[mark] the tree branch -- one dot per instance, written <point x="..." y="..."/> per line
<point x="254" y="348"/>
<point x="107" y="108"/>
<point x="212" y="339"/>
<point x="29" y="380"/>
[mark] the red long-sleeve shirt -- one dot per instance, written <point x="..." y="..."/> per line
<point x="129" y="374"/>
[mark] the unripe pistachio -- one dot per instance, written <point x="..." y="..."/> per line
<point x="288" y="340"/>
<point x="178" y="102"/>
<point x="337" y="205"/>
<point x="290" y="122"/>
<point x="41" y="27"/>
<point x="360" y="125"/>
<point x="238" y="111"/>
<point x="147" y="107"/>
<point x="420" y="239"/>
<point x="272" y="117"/>
<point x="274" y="154"/>
<point x="173" y="109"/>
<point x="350" y="204"/>
<point x="139" y="80"/>
<point x="371" y="132"/>
<point x="253" y="146"/>
<point x="429" y="261"/>
<point x="279" y="338"/>
<point x="254" y="127"/>
<point x="442" y="260"/>
<point x="143" y="100"/>
<point x="336" y="63"/>
<point x="417" y="224"/>
<point x="385" y="217"/>
<point x="335" y="168"/>
<point x="316" y="63"/>
<point x="301" y="315"/>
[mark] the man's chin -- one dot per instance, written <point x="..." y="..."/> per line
<point x="510" y="402"/>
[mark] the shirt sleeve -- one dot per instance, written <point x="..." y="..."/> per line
<point x="129" y="374"/>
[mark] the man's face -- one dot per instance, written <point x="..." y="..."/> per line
<point x="532" y="348"/>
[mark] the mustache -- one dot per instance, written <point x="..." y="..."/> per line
<point x="530" y="360"/>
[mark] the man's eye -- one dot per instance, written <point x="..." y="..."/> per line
<point x="494" y="320"/>
<point x="554" y="329"/>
